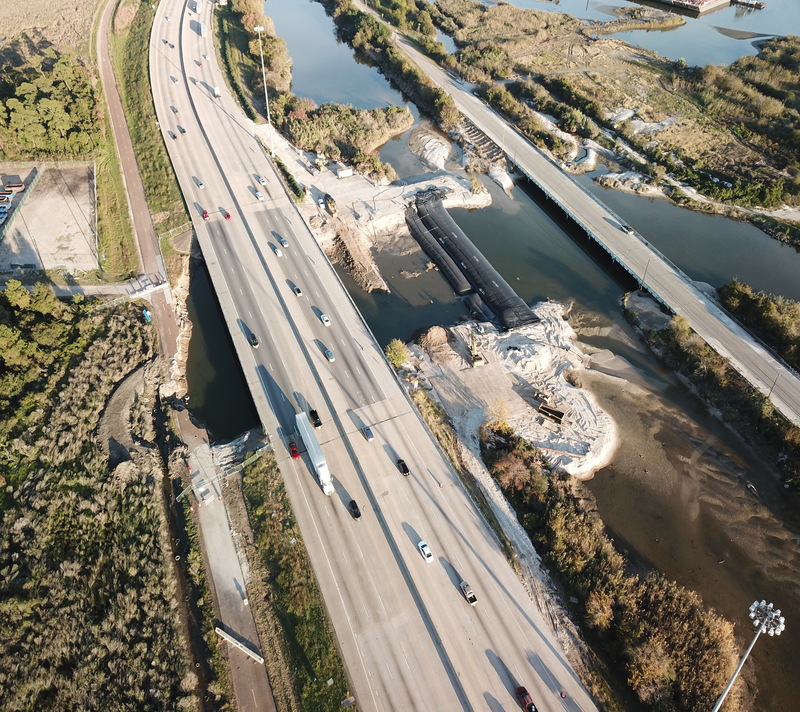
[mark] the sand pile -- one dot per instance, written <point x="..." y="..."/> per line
<point x="524" y="369"/>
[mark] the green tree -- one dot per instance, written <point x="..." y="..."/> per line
<point x="396" y="352"/>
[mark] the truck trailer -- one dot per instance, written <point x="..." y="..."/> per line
<point x="315" y="453"/>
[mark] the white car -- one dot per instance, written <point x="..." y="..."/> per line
<point x="278" y="251"/>
<point x="325" y="319"/>
<point x="261" y="180"/>
<point x="297" y="291"/>
<point x="284" y="242"/>
<point x="259" y="195"/>
<point x="425" y="551"/>
<point x="200" y="184"/>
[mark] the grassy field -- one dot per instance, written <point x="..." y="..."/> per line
<point x="239" y="66"/>
<point x="118" y="256"/>
<point x="289" y="609"/>
<point x="64" y="25"/>
<point x="129" y="47"/>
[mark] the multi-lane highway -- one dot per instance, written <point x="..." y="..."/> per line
<point x="409" y="639"/>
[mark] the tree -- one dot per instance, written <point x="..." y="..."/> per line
<point x="396" y="352"/>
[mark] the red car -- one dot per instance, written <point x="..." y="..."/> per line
<point x="227" y="215"/>
<point x="205" y="215"/>
<point x="294" y="451"/>
<point x="525" y="700"/>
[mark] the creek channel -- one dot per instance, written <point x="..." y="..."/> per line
<point x="675" y="496"/>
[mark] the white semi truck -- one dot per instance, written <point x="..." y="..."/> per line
<point x="315" y="453"/>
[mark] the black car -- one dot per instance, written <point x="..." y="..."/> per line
<point x="401" y="464"/>
<point x="354" y="510"/>
<point x="253" y="340"/>
<point x="314" y="416"/>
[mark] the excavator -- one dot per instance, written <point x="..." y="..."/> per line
<point x="475" y="356"/>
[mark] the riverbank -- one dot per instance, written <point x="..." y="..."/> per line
<point x="366" y="213"/>
<point x="523" y="370"/>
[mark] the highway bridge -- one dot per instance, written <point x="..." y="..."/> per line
<point x="409" y="639"/>
<point x="654" y="272"/>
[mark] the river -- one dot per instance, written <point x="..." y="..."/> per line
<point x="674" y="497"/>
<point x="718" y="37"/>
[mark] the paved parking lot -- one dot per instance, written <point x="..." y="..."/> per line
<point x="55" y="227"/>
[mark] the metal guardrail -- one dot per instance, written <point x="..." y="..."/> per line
<point x="185" y="227"/>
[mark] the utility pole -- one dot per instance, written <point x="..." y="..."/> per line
<point x="766" y="620"/>
<point x="259" y="30"/>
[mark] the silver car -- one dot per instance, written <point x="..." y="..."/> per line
<point x="425" y="551"/>
<point x="329" y="355"/>
<point x="325" y="319"/>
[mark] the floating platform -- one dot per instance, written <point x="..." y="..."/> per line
<point x="692" y="7"/>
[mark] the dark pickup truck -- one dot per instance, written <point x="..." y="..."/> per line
<point x="313" y="416"/>
<point x="401" y="465"/>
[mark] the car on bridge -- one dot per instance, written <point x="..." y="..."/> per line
<point x="354" y="510"/>
<point x="253" y="339"/>
<point x="277" y="250"/>
<point x="329" y="355"/>
<point x="205" y="215"/>
<point x="525" y="700"/>
<point x="424" y="549"/>
<point x="325" y="319"/>
<point x="297" y="291"/>
<point x="293" y="451"/>
<point x="284" y="242"/>
<point x="401" y="465"/>
<point x="227" y="215"/>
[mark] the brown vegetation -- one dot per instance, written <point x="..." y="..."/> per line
<point x="731" y="135"/>
<point x="63" y="25"/>
<point x="677" y="654"/>
<point x="87" y="611"/>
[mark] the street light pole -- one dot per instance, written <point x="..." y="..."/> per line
<point x="259" y="30"/>
<point x="766" y="620"/>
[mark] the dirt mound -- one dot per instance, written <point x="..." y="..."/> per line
<point x="436" y="341"/>
<point x="351" y="251"/>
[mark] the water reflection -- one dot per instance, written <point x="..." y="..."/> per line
<point x="709" y="39"/>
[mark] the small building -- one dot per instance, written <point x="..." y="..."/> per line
<point x="343" y="171"/>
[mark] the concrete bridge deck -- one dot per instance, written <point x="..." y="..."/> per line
<point x="648" y="266"/>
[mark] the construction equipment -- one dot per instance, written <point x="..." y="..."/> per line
<point x="552" y="413"/>
<point x="475" y="356"/>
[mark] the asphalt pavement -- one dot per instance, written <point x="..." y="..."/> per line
<point x="408" y="638"/>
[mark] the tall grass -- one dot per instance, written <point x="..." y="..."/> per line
<point x="130" y="55"/>
<point x="119" y="259"/>
<point x="296" y="615"/>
